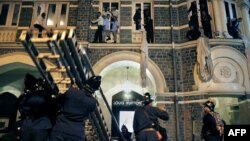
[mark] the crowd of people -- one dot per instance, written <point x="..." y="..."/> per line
<point x="61" y="117"/>
<point x="194" y="31"/>
<point x="107" y="24"/>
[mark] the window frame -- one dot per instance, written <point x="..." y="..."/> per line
<point x="10" y="13"/>
<point x="230" y="8"/>
<point x="110" y="6"/>
<point x="57" y="15"/>
<point x="142" y="13"/>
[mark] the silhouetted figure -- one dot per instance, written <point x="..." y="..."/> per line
<point x="126" y="134"/>
<point x="205" y="21"/>
<point x="36" y="125"/>
<point x="194" y="17"/>
<point x="137" y="19"/>
<point x="77" y="104"/>
<point x="193" y="33"/>
<point x="35" y="108"/>
<point x="146" y="120"/>
<point x="209" y="128"/>
<point x="40" y="23"/>
<point x="149" y="29"/>
<point x="235" y="31"/>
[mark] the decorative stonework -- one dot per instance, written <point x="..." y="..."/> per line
<point x="225" y="72"/>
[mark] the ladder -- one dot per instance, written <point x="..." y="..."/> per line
<point x="71" y="63"/>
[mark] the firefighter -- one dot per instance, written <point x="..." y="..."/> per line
<point x="76" y="106"/>
<point x="146" y="120"/>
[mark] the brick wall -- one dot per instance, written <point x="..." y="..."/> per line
<point x="84" y="11"/>
<point x="126" y="16"/>
<point x="72" y="18"/>
<point x="125" y="36"/>
<point x="188" y="60"/>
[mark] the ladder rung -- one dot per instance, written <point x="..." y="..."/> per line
<point x="63" y="82"/>
<point x="48" y="55"/>
<point x="58" y="80"/>
<point x="63" y="69"/>
<point x="62" y="90"/>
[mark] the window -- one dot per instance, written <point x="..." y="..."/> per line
<point x="230" y="7"/>
<point x="144" y="10"/>
<point x="9" y="14"/>
<point x="112" y="7"/>
<point x="56" y="13"/>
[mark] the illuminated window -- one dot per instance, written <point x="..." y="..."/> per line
<point x="9" y="14"/>
<point x="56" y="13"/>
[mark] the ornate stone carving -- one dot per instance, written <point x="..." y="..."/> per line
<point x="224" y="72"/>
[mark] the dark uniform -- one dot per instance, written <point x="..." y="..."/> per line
<point x="76" y="107"/>
<point x="146" y="120"/>
<point x="149" y="28"/>
<point x="126" y="134"/>
<point x="35" y="126"/>
<point x="209" y="129"/>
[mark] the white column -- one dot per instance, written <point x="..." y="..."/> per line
<point x="245" y="20"/>
<point x="217" y="18"/>
<point x="223" y="19"/>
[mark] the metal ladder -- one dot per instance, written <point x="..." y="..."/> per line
<point x="72" y="64"/>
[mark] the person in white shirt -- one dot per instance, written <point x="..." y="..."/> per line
<point x="40" y="23"/>
<point x="106" y="25"/>
<point x="98" y="34"/>
<point x="115" y="12"/>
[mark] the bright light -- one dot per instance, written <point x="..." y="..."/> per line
<point x="127" y="118"/>
<point x="127" y="87"/>
<point x="50" y="22"/>
<point x="127" y="96"/>
<point x="61" y="22"/>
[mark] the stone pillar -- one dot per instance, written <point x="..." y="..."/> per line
<point x="244" y="7"/>
<point x="223" y="19"/>
<point x="83" y="19"/>
<point x="217" y="18"/>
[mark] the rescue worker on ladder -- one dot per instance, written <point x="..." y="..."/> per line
<point x="76" y="106"/>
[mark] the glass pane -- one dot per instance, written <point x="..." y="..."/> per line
<point x="114" y="6"/>
<point x="147" y="10"/>
<point x="15" y="14"/>
<point x="115" y="9"/>
<point x="227" y="10"/>
<point x="51" y="14"/>
<point x="234" y="10"/>
<point x="3" y="14"/>
<point x="63" y="14"/>
<point x="105" y="6"/>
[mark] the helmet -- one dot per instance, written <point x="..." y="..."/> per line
<point x="147" y="98"/>
<point x="210" y="105"/>
<point x="94" y="82"/>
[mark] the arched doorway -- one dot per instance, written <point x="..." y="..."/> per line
<point x="120" y="73"/>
